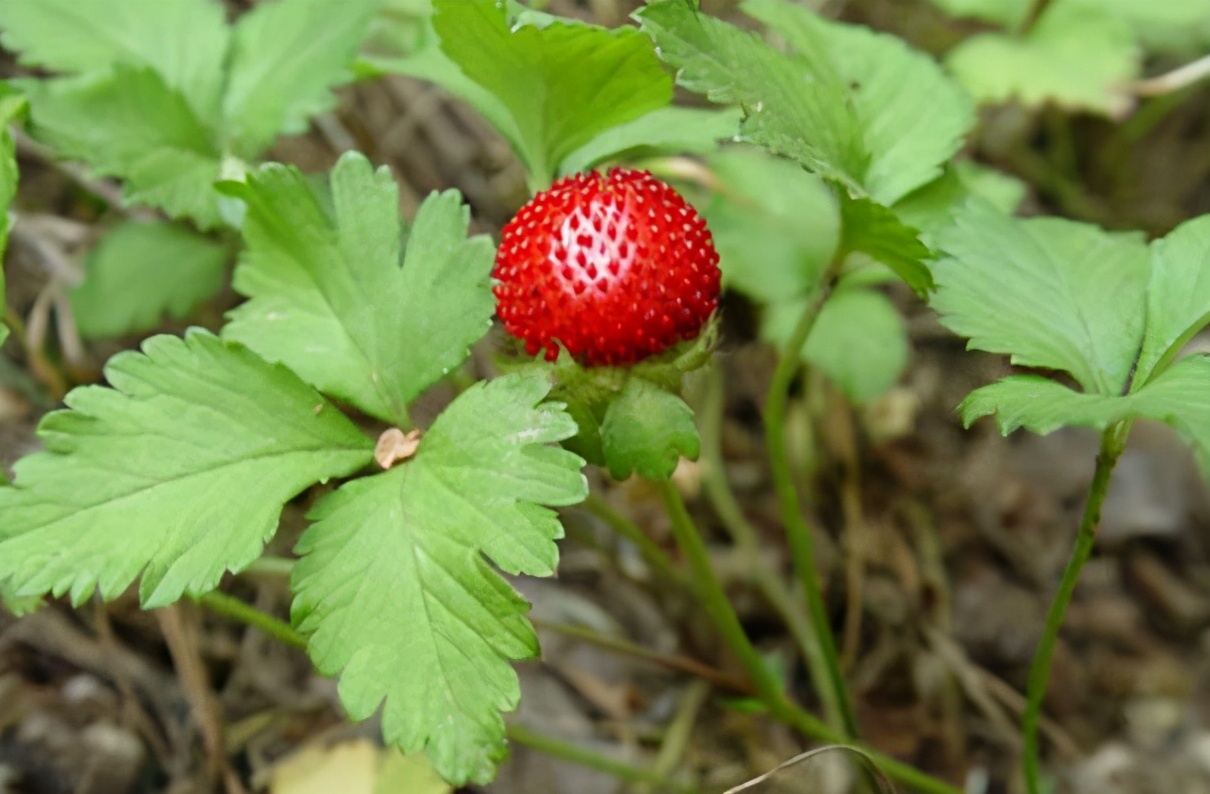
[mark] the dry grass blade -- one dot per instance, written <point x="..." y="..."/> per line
<point x="867" y="762"/>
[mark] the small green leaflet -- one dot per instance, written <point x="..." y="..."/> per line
<point x="177" y="473"/>
<point x="1079" y="58"/>
<point x="868" y="227"/>
<point x="1176" y="397"/>
<point x="931" y="208"/>
<point x="184" y="41"/>
<point x="1178" y="296"/>
<point x="790" y="110"/>
<point x="776" y="226"/>
<point x="859" y="340"/>
<point x="396" y="584"/>
<point x="151" y="137"/>
<point x="285" y="58"/>
<point x="1049" y="292"/>
<point x="647" y="431"/>
<point x="562" y="84"/>
<point x="330" y="298"/>
<point x="11" y="105"/>
<point x="140" y="272"/>
<point x="912" y="116"/>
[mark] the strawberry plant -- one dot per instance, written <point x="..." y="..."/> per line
<point x="832" y="168"/>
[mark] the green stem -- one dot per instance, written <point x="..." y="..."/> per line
<point x="768" y="689"/>
<point x="798" y="531"/>
<point x="231" y="607"/>
<point x="1113" y="441"/>
<point x="651" y="553"/>
<point x="583" y="757"/>
<point x="769" y="582"/>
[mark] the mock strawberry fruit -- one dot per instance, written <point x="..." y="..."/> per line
<point x="615" y="267"/>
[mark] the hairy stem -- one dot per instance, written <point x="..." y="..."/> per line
<point x="798" y="531"/>
<point x="1113" y="441"/>
<point x="768" y="689"/>
<point x="231" y="607"/>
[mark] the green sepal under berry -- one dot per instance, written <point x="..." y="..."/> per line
<point x="646" y="431"/>
<point x="176" y="474"/>
<point x="396" y="589"/>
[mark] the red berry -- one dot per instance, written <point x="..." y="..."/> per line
<point x="615" y="267"/>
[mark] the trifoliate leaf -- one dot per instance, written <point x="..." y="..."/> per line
<point x="858" y="341"/>
<point x="1007" y="13"/>
<point x="912" y="115"/>
<point x="184" y="41"/>
<point x="11" y="104"/>
<point x="140" y="272"/>
<point x="1178" y="296"/>
<point x="562" y="84"/>
<point x="285" y="58"/>
<point x="150" y="137"/>
<point x="775" y="225"/>
<point x="647" y="431"/>
<point x="177" y="473"/>
<point x="330" y="298"/>
<point x="1079" y="58"/>
<point x="1048" y="292"/>
<point x="868" y="227"/>
<point x="395" y="584"/>
<point x="1040" y="405"/>
<point x="669" y="129"/>
<point x="796" y="107"/>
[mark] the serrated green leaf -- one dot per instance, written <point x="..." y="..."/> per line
<point x="912" y="116"/>
<point x="1178" y="296"/>
<point x="1177" y="397"/>
<point x="177" y="473"/>
<point x="184" y="41"/>
<point x="330" y="299"/>
<point x="1040" y="405"/>
<point x="647" y="431"/>
<point x="562" y="84"/>
<point x="795" y="107"/>
<point x="1079" y="58"/>
<point x="286" y="56"/>
<point x="1007" y="13"/>
<point x="775" y="225"/>
<point x="669" y="129"/>
<point x="140" y="272"/>
<point x="1049" y="292"/>
<point x="859" y="340"/>
<point x="868" y="227"/>
<point x="396" y="590"/>
<point x="150" y="137"/>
